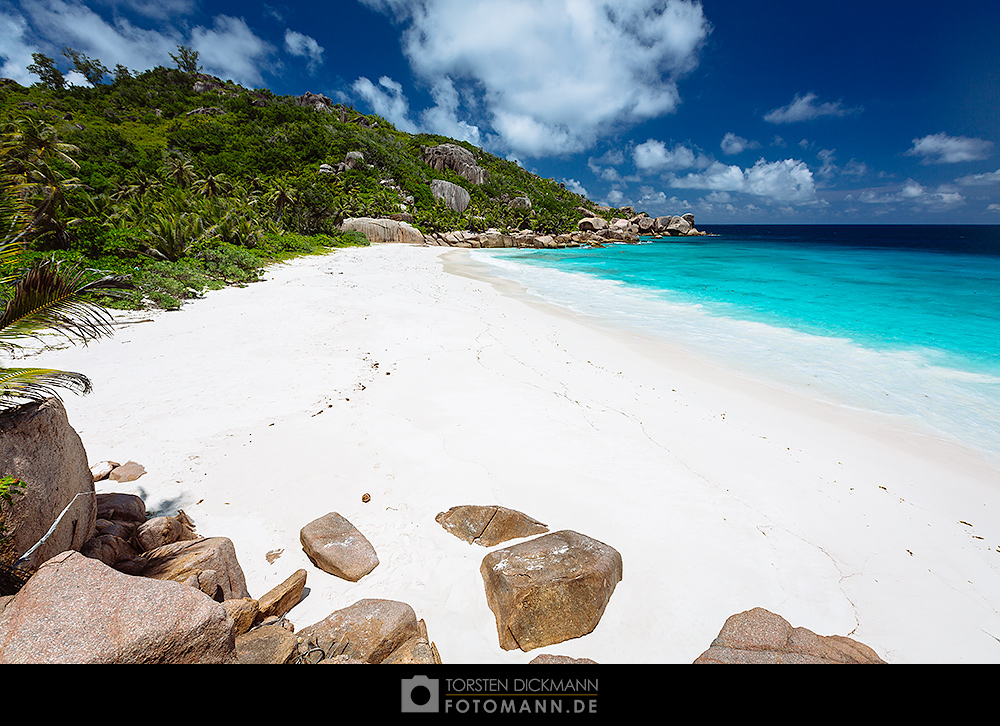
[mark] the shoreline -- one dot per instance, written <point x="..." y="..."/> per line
<point x="411" y="378"/>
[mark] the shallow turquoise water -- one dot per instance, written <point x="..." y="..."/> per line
<point x="901" y="320"/>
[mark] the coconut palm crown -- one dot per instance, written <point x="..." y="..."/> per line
<point x="42" y="299"/>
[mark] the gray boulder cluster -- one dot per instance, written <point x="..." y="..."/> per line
<point x="94" y="579"/>
<point x="452" y="156"/>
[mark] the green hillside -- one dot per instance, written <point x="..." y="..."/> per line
<point x="187" y="182"/>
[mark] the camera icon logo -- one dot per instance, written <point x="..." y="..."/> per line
<point x="420" y="695"/>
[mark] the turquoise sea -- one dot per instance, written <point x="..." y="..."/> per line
<point x="903" y="320"/>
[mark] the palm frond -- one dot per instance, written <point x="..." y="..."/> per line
<point x="47" y="298"/>
<point x="19" y="385"/>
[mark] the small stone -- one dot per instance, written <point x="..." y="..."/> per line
<point x="129" y="471"/>
<point x="101" y="469"/>
<point x="366" y="497"/>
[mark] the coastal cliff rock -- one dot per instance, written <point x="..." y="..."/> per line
<point x="488" y="526"/>
<point x="453" y="195"/>
<point x="549" y="589"/>
<point x="336" y="546"/>
<point x="78" y="610"/>
<point x="454" y="157"/>
<point x="39" y="447"/>
<point x="384" y="230"/>
<point x="758" y="637"/>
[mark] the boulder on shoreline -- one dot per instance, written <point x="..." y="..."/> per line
<point x="336" y="546"/>
<point x="369" y="631"/>
<point x="549" y="589"/>
<point x="78" y="610"/>
<point x="38" y="446"/>
<point x="379" y="231"/>
<point x="758" y="636"/>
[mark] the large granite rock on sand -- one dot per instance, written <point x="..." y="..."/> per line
<point x="38" y="446"/>
<point x="549" y="589"/>
<point x="760" y="636"/>
<point x="368" y="631"/>
<point x="336" y="546"/>
<point x="380" y="231"/>
<point x="78" y="610"/>
<point x="488" y="525"/>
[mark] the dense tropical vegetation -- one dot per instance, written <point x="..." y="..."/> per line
<point x="185" y="182"/>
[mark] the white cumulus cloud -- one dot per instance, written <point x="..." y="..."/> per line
<point x="915" y="193"/>
<point x="733" y="144"/>
<point x="442" y="118"/>
<point x="653" y="155"/>
<point x="230" y="49"/>
<point x="944" y="149"/>
<point x="553" y="75"/>
<point x="806" y="108"/>
<point x="299" y="44"/>
<point x="15" y="49"/>
<point x="387" y="100"/>
<point x="992" y="177"/>
<point x="787" y="181"/>
<point x="61" y="24"/>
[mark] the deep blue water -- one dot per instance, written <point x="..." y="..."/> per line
<point x="904" y="320"/>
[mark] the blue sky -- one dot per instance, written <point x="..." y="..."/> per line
<point x="770" y="111"/>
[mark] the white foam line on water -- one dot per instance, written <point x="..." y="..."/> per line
<point x="910" y="383"/>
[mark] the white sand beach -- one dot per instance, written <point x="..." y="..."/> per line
<point x="401" y="372"/>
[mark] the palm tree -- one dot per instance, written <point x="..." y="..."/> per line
<point x="281" y="196"/>
<point x="32" y="151"/>
<point x="44" y="298"/>
<point x="30" y="142"/>
<point x="213" y="185"/>
<point x="180" y="170"/>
